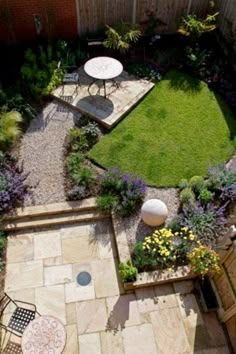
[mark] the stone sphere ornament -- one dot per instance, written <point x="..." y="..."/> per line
<point x="154" y="212"/>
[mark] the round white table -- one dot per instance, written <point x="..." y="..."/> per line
<point x="43" y="335"/>
<point x="103" y="68"/>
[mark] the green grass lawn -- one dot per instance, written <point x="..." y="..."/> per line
<point x="177" y="131"/>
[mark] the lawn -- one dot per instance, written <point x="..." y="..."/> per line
<point x="177" y="131"/>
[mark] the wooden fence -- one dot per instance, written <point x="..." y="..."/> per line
<point x="95" y="14"/>
<point x="227" y="17"/>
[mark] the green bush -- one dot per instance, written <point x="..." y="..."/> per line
<point x="205" y="196"/>
<point x="84" y="176"/>
<point x="74" y="161"/>
<point x="9" y="128"/>
<point x="107" y="202"/>
<point x="128" y="272"/>
<point x="187" y="196"/>
<point x="183" y="183"/>
<point x="141" y="260"/>
<point x="197" y="184"/>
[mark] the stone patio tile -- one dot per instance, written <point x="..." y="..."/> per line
<point x="50" y="300"/>
<point x="72" y="345"/>
<point x="122" y="311"/>
<point x="111" y="342"/>
<point x="60" y="274"/>
<point x="91" y="316"/>
<point x="169" y="331"/>
<point x="74" y="292"/>
<point x="103" y="234"/>
<point x="20" y="248"/>
<point x="71" y="313"/>
<point x="165" y="296"/>
<point x="52" y="261"/>
<point x="75" y="231"/>
<point x="90" y="344"/>
<point x="192" y="318"/>
<point x="47" y="245"/>
<point x="27" y="295"/>
<point x="105" y="278"/>
<point x="79" y="249"/>
<point x="23" y="275"/>
<point x="146" y="299"/>
<point x="139" y="340"/>
<point x="183" y="287"/>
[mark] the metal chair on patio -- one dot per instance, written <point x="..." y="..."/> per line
<point x="23" y="314"/>
<point x="72" y="78"/>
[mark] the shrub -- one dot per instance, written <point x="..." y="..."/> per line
<point x="207" y="223"/>
<point x="183" y="184"/>
<point x="145" y="71"/>
<point x="107" y="202"/>
<point x="76" y="193"/>
<point x="73" y="162"/>
<point x="111" y="181"/>
<point x="12" y="186"/>
<point x="128" y="272"/>
<point x="197" y="184"/>
<point x="91" y="131"/>
<point x="205" y="196"/>
<point x="228" y="193"/>
<point x="204" y="260"/>
<point x="129" y="191"/>
<point x="84" y="176"/>
<point x="141" y="260"/>
<point x="187" y="196"/>
<point x="9" y="128"/>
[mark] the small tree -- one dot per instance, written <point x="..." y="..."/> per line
<point x="121" y="36"/>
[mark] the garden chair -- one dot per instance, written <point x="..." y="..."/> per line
<point x="11" y="347"/>
<point x="72" y="78"/>
<point x="23" y="314"/>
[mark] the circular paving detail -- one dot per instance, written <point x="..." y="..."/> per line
<point x="83" y="278"/>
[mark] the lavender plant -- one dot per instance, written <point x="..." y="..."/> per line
<point x="12" y="185"/>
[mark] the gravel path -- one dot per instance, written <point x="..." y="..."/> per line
<point x="41" y="153"/>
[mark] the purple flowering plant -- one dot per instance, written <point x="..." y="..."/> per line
<point x="12" y="184"/>
<point x="129" y="191"/>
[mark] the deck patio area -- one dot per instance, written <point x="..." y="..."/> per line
<point x="107" y="111"/>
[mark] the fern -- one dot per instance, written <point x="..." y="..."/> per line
<point x="120" y="37"/>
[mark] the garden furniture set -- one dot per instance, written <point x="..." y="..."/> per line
<point x="38" y="334"/>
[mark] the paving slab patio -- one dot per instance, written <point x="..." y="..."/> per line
<point x="107" y="111"/>
<point x="100" y="318"/>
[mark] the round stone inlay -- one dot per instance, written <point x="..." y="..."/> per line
<point x="83" y="278"/>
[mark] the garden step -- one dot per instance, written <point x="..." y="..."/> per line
<point x="33" y="222"/>
<point x="56" y="208"/>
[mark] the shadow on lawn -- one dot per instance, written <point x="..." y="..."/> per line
<point x="230" y="119"/>
<point x="184" y="82"/>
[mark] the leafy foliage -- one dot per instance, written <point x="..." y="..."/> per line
<point x="107" y="202"/>
<point x="12" y="184"/>
<point x="9" y="128"/>
<point x="205" y="196"/>
<point x="10" y="101"/>
<point x="127" y="271"/>
<point x="145" y="71"/>
<point x="197" y="184"/>
<point x="195" y="27"/>
<point x="121" y="36"/>
<point x="187" y="196"/>
<point x="128" y="191"/>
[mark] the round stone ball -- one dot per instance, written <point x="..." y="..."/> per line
<point x="154" y="212"/>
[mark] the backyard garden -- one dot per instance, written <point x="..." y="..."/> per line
<point x="178" y="141"/>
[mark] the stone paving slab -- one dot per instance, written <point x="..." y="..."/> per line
<point x="99" y="318"/>
<point x="107" y="111"/>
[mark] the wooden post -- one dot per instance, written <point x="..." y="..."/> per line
<point x="78" y="16"/>
<point x="134" y="12"/>
<point x="189" y="6"/>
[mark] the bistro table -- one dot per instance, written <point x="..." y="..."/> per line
<point x="43" y="335"/>
<point x="103" y="68"/>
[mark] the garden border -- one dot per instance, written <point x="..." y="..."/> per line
<point x="145" y="279"/>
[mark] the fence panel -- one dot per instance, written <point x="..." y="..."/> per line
<point x="227" y="17"/>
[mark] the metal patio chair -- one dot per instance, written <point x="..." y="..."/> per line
<point x="23" y="314"/>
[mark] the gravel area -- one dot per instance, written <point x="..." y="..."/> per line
<point x="136" y="230"/>
<point x="41" y="153"/>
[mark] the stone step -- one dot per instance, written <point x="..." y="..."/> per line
<point x="52" y="220"/>
<point x="52" y="209"/>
